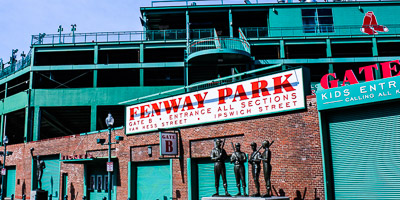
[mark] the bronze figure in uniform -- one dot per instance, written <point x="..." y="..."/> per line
<point x="40" y="165"/>
<point x="266" y="158"/>
<point x="238" y="158"/>
<point x="255" y="161"/>
<point x="218" y="155"/>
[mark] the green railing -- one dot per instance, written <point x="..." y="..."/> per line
<point x="218" y="43"/>
<point x="16" y="66"/>
<point x="317" y="30"/>
<point x="125" y="36"/>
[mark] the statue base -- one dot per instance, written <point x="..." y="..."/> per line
<point x="39" y="194"/>
<point x="245" y="198"/>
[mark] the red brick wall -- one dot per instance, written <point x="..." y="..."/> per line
<point x="296" y="152"/>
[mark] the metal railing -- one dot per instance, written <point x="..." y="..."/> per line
<point x="219" y="43"/>
<point x="125" y="36"/>
<point x="317" y="30"/>
<point x="16" y="66"/>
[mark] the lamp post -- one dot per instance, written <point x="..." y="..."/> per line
<point x="60" y="30"/>
<point x="73" y="29"/>
<point x="5" y="153"/>
<point x="109" y="123"/>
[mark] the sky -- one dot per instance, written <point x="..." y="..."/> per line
<point x="20" y="19"/>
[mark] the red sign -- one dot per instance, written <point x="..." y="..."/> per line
<point x="350" y="78"/>
<point x="258" y="96"/>
<point x="110" y="166"/>
<point x="370" y="25"/>
<point x="169" y="143"/>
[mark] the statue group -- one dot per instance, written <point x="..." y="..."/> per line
<point x="219" y="155"/>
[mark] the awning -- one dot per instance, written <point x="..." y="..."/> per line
<point x="88" y="160"/>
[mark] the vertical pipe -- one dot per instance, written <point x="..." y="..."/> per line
<point x="109" y="160"/>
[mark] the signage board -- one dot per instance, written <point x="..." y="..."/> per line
<point x="269" y="94"/>
<point x="3" y="171"/>
<point x="110" y="166"/>
<point x="168" y="143"/>
<point x="362" y="93"/>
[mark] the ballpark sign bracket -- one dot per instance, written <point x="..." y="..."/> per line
<point x="274" y="93"/>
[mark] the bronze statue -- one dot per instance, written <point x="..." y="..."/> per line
<point x="40" y="165"/>
<point x="255" y="161"/>
<point x="266" y="158"/>
<point x="218" y="155"/>
<point x="238" y="158"/>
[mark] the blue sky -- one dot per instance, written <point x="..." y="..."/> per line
<point x="20" y="19"/>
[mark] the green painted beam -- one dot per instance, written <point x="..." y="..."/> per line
<point x="95" y="78"/>
<point x="374" y="47"/>
<point x="281" y="49"/>
<point x="109" y="66"/>
<point x="141" y="77"/>
<point x="325" y="60"/>
<point x="36" y="123"/>
<point x="93" y="117"/>
<point x="230" y="23"/>
<point x="15" y="102"/>
<point x="328" y="48"/>
<point x="141" y="53"/>
<point x="92" y="96"/>
<point x="26" y="127"/>
<point x="130" y="179"/>
<point x="96" y="54"/>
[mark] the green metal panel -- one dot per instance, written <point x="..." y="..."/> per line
<point x="151" y="177"/>
<point x="10" y="181"/>
<point x="51" y="175"/>
<point x="15" y="102"/>
<point x="365" y="145"/>
<point x="206" y="180"/>
<point x="92" y="96"/>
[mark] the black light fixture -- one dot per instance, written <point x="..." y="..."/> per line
<point x="149" y="151"/>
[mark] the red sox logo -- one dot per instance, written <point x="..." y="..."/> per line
<point x="370" y="25"/>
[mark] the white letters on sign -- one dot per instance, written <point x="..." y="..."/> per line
<point x="274" y="93"/>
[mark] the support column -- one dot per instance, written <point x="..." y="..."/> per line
<point x="230" y="23"/>
<point x="93" y="117"/>
<point x="375" y="53"/>
<point x="27" y="124"/>
<point x="33" y="56"/>
<point x="328" y="48"/>
<point x="187" y="29"/>
<point x="5" y="89"/>
<point x="1" y="127"/>
<point x="282" y="49"/>
<point x="36" y="123"/>
<point x="145" y="22"/>
<point x="96" y="54"/>
<point x="95" y="78"/>
<point x="141" y="70"/>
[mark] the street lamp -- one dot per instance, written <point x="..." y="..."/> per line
<point x="5" y="153"/>
<point x="109" y="123"/>
<point x="73" y="29"/>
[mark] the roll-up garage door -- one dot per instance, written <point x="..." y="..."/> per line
<point x="51" y="175"/>
<point x="206" y="181"/>
<point x="365" y="145"/>
<point x="10" y="181"/>
<point x="153" y="180"/>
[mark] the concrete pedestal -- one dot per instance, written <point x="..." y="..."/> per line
<point x="39" y="195"/>
<point x="245" y="198"/>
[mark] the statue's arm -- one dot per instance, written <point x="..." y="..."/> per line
<point x="213" y="156"/>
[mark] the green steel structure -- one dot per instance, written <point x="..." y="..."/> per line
<point x="68" y="83"/>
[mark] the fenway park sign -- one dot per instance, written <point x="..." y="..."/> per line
<point x="259" y="96"/>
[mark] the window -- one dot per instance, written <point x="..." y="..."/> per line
<point x="317" y="20"/>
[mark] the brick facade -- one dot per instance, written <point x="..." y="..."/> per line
<point x="296" y="153"/>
